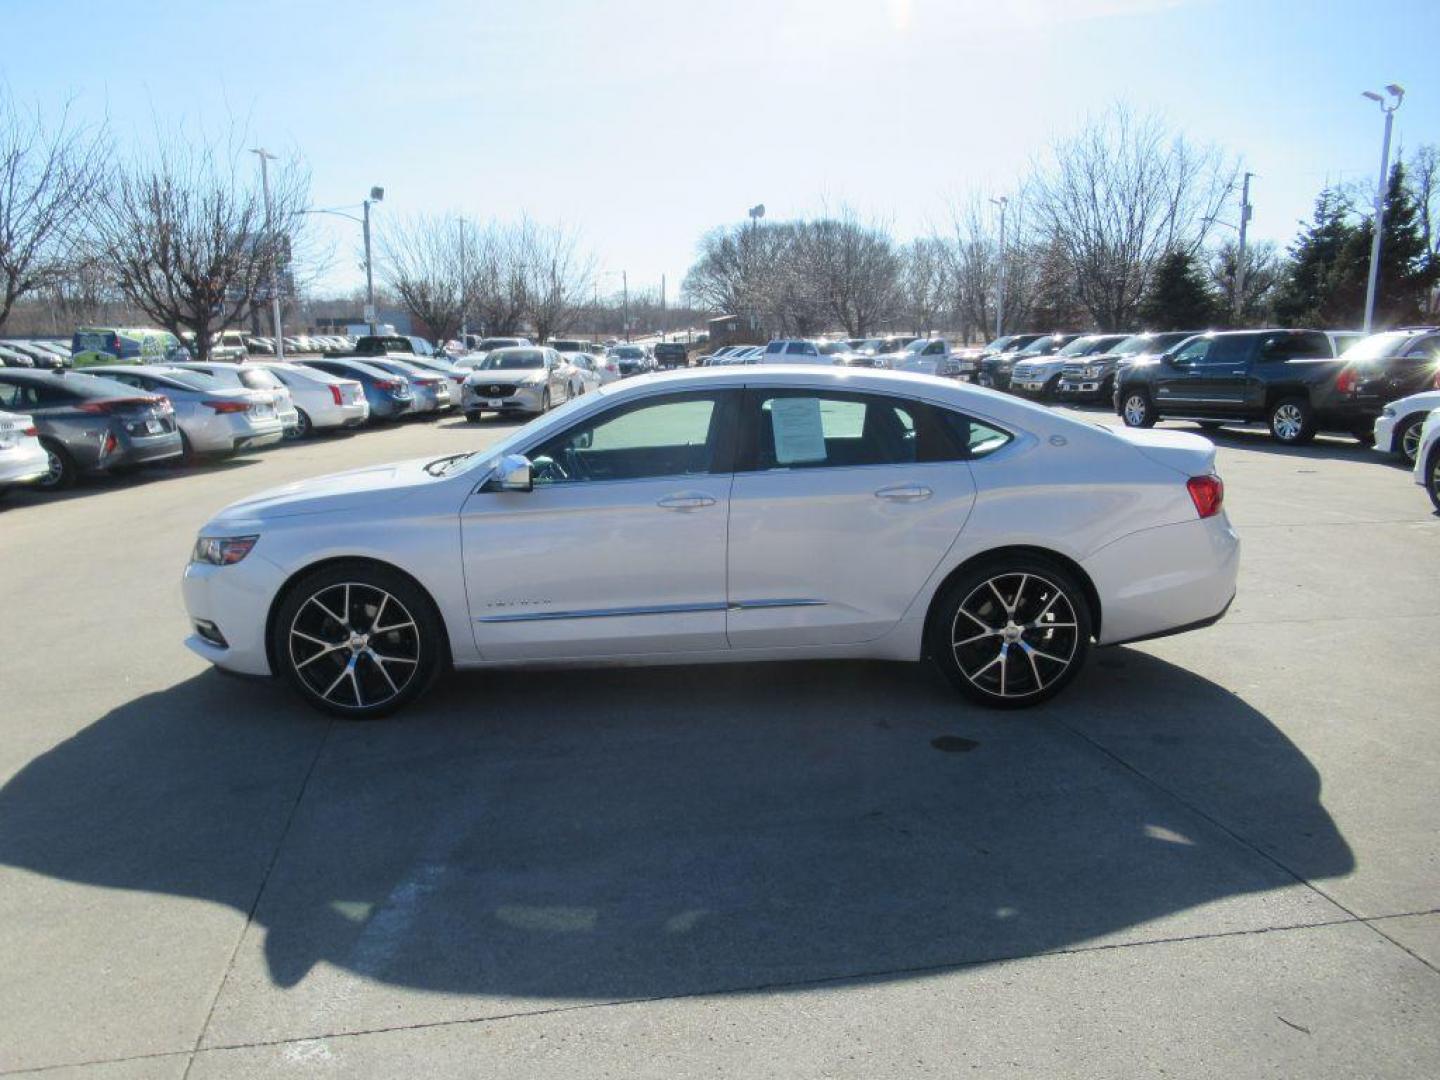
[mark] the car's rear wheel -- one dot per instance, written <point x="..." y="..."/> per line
<point x="1292" y="421"/>
<point x="1407" y="437"/>
<point x="1011" y="632"/>
<point x="545" y="401"/>
<point x="303" y="426"/>
<point x="472" y="417"/>
<point x="358" y="641"/>
<point x="61" y="472"/>
<point x="1136" y="409"/>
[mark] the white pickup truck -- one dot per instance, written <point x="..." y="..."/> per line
<point x="930" y="356"/>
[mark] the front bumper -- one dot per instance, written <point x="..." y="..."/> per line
<point x="1158" y="581"/>
<point x="236" y="600"/>
<point x="521" y="399"/>
<point x="1385" y="434"/>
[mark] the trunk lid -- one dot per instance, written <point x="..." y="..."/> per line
<point x="1187" y="454"/>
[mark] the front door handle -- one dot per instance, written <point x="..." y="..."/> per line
<point x="904" y="493"/>
<point x="685" y="501"/>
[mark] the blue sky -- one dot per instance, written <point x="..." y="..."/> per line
<point x="644" y="123"/>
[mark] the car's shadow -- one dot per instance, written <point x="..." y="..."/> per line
<point x="629" y="833"/>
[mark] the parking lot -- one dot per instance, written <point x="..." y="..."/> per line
<point x="1215" y="854"/>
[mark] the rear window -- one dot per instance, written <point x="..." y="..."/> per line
<point x="258" y="379"/>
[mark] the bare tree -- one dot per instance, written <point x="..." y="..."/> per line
<point x="973" y="254"/>
<point x="851" y="269"/>
<point x="554" y="275"/>
<point x="1263" y="274"/>
<point x="924" y="282"/>
<point x="48" y="173"/>
<point x="433" y="264"/>
<point x="186" y="237"/>
<point x="1119" y="195"/>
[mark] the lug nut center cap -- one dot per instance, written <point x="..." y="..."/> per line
<point x="1012" y="633"/>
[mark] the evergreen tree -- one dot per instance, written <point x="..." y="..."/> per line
<point x="1407" y="273"/>
<point x="1179" y="296"/>
<point x="1314" y="256"/>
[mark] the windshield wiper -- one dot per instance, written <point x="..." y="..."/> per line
<point x="440" y="466"/>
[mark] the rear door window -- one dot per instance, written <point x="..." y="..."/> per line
<point x="803" y="428"/>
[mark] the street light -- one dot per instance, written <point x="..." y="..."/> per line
<point x="1397" y="92"/>
<point x="265" y="158"/>
<point x="1001" y="202"/>
<point x="377" y="194"/>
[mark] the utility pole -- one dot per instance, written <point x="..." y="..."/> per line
<point x="1001" y="202"/>
<point x="1245" y="210"/>
<point x="625" y="295"/>
<point x="1398" y="93"/>
<point x="464" y="288"/>
<point x="662" y="307"/>
<point x="265" y="158"/>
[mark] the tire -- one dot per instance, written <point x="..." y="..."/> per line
<point x="63" y="470"/>
<point x="322" y="634"/>
<point x="187" y="457"/>
<point x="472" y="417"/>
<point x="1432" y="476"/>
<point x="1210" y="425"/>
<point x="545" y="402"/>
<point x="1136" y="409"/>
<point x="303" y="427"/>
<point x="1292" y="421"/>
<point x="981" y="636"/>
<point x="1366" y="437"/>
<point x="1407" y="437"/>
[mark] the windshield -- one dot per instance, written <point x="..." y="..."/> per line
<point x="1082" y="346"/>
<point x="1039" y="347"/>
<point x="1137" y="344"/>
<point x="1377" y="346"/>
<point x="830" y="348"/>
<point x="513" y="360"/>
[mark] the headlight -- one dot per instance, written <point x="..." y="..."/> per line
<point x="222" y="550"/>
<point x="1091" y="372"/>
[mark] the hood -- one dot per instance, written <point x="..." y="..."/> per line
<point x="1192" y="455"/>
<point x="336" y="492"/>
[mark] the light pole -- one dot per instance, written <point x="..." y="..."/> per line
<point x="265" y="158"/>
<point x="1245" y="211"/>
<point x="1002" y="202"/>
<point x="756" y="212"/>
<point x="1397" y="92"/>
<point x="625" y="297"/>
<point x="377" y="194"/>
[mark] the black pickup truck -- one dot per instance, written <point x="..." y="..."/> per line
<point x="386" y="345"/>
<point x="1289" y="379"/>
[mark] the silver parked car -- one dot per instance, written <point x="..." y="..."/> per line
<point x="252" y="377"/>
<point x="88" y="424"/>
<point x="529" y="379"/>
<point x="213" y="418"/>
<point x="323" y="402"/>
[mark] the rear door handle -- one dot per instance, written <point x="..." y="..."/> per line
<point x="904" y="493"/>
<point x="685" y="501"/>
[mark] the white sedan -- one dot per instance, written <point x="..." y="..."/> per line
<point x="728" y="514"/>
<point x="22" y="458"/>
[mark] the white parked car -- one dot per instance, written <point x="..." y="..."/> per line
<point x="323" y="402"/>
<point x="587" y="373"/>
<point x="22" y="458"/>
<point x="1427" y="457"/>
<point x="758" y="503"/>
<point x="797" y="351"/>
<point x="1397" y="428"/>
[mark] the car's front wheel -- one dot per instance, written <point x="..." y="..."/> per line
<point x="1136" y="409"/>
<point x="1011" y="632"/>
<point x="357" y="640"/>
<point x="61" y="472"/>
<point x="1407" y="437"/>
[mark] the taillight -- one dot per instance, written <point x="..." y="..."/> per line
<point x="112" y="405"/>
<point x="32" y="431"/>
<point x="1208" y="494"/>
<point x="229" y="406"/>
<point x="335" y="393"/>
<point x="387" y="384"/>
<point x="108" y="447"/>
<point x="1345" y="384"/>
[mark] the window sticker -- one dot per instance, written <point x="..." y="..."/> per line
<point x="799" y="433"/>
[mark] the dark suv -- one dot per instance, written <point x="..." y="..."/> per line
<point x="671" y="354"/>
<point x="1290" y="379"/>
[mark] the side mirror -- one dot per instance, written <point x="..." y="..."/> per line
<point x="512" y="474"/>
